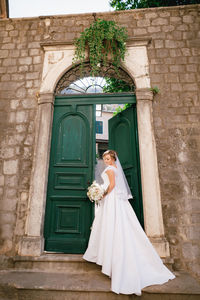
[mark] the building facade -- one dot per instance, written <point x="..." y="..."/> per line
<point x="163" y="51"/>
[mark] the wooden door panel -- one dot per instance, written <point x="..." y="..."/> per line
<point x="123" y="139"/>
<point x="70" y="181"/>
<point x="72" y="127"/>
<point x="68" y="211"/>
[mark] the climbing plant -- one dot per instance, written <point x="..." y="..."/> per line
<point x="105" y="42"/>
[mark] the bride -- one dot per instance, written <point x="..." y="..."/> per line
<point x="118" y="242"/>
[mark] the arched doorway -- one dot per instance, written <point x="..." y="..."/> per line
<point x="69" y="213"/>
<point x="57" y="60"/>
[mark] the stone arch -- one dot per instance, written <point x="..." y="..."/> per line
<point x="58" y="60"/>
<point x="74" y="73"/>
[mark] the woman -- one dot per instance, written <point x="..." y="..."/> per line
<point x="118" y="242"/>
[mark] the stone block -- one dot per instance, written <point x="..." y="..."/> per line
<point x="25" y="60"/>
<point x="187" y="77"/>
<point x="186" y="51"/>
<point x="159" y="21"/>
<point x="34" y="45"/>
<point x="3" y="53"/>
<point x="176" y="20"/>
<point x="32" y="75"/>
<point x="24" y="196"/>
<point x="21" y="128"/>
<point x="23" y="69"/>
<point x="31" y="92"/>
<point x="21" y="116"/>
<point x="17" y="77"/>
<point x="181" y="60"/>
<point x="6" y="231"/>
<point x="177" y="68"/>
<point x="24" y="52"/>
<point x="29" y="140"/>
<point x="9" y="62"/>
<point x="14" y="33"/>
<point x="162" y="53"/>
<point x="143" y="23"/>
<point x="21" y="93"/>
<point x="37" y="59"/>
<point x="159" y="43"/>
<point x="19" y="138"/>
<point x="10" y="167"/>
<point x="190" y="252"/>
<point x="2" y="70"/>
<point x="139" y="31"/>
<point x="14" y="53"/>
<point x="188" y="19"/>
<point x="8" y="46"/>
<point x="5" y="77"/>
<point x="1" y="180"/>
<point x="10" y="193"/>
<point x="3" y="33"/>
<point x="1" y="191"/>
<point x="7" y="218"/>
<point x="193" y="60"/>
<point x="161" y="69"/>
<point x="170" y="44"/>
<point x="11" y="181"/>
<point x="195" y="110"/>
<point x="8" y="152"/>
<point x="33" y="52"/>
<point x="153" y="29"/>
<point x="175" y="52"/>
<point x="168" y="28"/>
<point x="29" y="83"/>
<point x="9" y="27"/>
<point x="194" y="118"/>
<point x="151" y="15"/>
<point x="177" y="35"/>
<point x="9" y="204"/>
<point x="29" y="103"/>
<point x="171" y="78"/>
<point x="6" y="40"/>
<point x="190" y="87"/>
<point x="12" y="117"/>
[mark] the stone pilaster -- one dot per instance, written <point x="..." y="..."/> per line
<point x="153" y="218"/>
<point x="32" y="243"/>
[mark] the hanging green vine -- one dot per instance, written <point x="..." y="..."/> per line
<point x="105" y="42"/>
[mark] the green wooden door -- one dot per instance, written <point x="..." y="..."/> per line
<point x="123" y="138"/>
<point x="69" y="213"/>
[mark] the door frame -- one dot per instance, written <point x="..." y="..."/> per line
<point x="57" y="61"/>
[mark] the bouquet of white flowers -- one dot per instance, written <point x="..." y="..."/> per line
<point x="95" y="192"/>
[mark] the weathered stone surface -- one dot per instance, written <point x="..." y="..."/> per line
<point x="174" y="66"/>
<point x="10" y="167"/>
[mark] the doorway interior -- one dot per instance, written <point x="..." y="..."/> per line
<point x="83" y="127"/>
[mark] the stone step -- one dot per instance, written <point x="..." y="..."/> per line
<point x="69" y="263"/>
<point x="66" y="263"/>
<point x="25" y="285"/>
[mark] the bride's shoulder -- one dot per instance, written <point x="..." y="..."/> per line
<point x="110" y="168"/>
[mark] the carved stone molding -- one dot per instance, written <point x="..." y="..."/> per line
<point x="58" y="61"/>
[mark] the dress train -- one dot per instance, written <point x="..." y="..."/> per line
<point x="119" y="244"/>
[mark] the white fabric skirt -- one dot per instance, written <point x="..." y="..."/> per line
<point x="119" y="244"/>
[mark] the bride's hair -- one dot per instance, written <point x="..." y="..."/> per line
<point x="112" y="154"/>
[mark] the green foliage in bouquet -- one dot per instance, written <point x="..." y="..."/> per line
<point x="105" y="42"/>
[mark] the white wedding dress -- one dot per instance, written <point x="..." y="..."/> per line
<point x="119" y="244"/>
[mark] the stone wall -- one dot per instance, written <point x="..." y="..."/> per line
<point x="174" y="58"/>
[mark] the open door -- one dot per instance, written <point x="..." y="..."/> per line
<point x="123" y="138"/>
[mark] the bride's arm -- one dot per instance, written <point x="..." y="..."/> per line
<point x="111" y="176"/>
